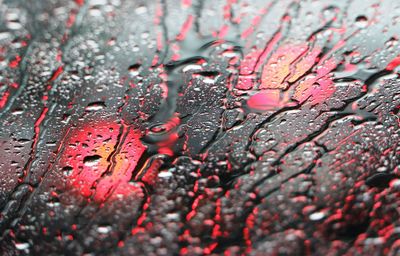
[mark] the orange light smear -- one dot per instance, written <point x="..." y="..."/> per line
<point x="278" y="66"/>
<point x="318" y="86"/>
<point x="288" y="64"/>
<point x="251" y="63"/>
<point x="84" y="142"/>
<point x="100" y="140"/>
<point x="304" y="64"/>
<point x="125" y="163"/>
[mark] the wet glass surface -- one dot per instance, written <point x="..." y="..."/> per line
<point x="190" y="127"/>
